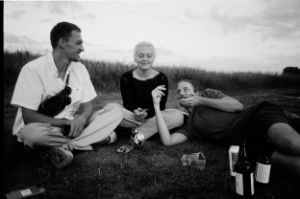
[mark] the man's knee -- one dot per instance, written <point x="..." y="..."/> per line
<point x="31" y="135"/>
<point x="110" y="110"/>
<point x="295" y="146"/>
<point x="115" y="108"/>
<point x="289" y="164"/>
<point x="285" y="137"/>
<point x="113" y="105"/>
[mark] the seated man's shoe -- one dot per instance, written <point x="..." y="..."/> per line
<point x="59" y="157"/>
<point x="112" y="138"/>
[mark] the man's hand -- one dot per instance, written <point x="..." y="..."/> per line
<point x="140" y="114"/>
<point x="76" y="126"/>
<point x="157" y="94"/>
<point x="191" y="101"/>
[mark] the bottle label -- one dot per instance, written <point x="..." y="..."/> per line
<point x="244" y="184"/>
<point x="262" y="173"/>
<point x="252" y="184"/>
<point x="233" y="158"/>
<point x="239" y="187"/>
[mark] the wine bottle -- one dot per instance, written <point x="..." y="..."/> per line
<point x="244" y="182"/>
<point x="263" y="164"/>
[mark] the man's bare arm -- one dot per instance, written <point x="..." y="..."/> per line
<point x="228" y="104"/>
<point x="30" y="116"/>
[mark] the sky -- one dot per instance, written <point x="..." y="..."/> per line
<point x="213" y="35"/>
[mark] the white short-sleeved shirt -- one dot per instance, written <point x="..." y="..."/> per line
<point x="38" y="80"/>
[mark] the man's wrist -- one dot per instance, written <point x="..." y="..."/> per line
<point x="201" y="100"/>
<point x="66" y="122"/>
<point x="60" y="122"/>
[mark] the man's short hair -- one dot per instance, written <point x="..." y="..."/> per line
<point x="62" y="30"/>
<point x="144" y="43"/>
<point x="194" y="85"/>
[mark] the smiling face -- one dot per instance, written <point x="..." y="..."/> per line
<point x="73" y="46"/>
<point x="144" y="56"/>
<point x="185" y="89"/>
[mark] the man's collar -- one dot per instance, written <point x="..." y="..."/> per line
<point x="53" y="67"/>
<point x="51" y="63"/>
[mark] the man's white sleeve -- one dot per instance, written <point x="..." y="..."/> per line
<point x="28" y="90"/>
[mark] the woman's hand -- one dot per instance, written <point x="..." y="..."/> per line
<point x="157" y="94"/>
<point x="140" y="114"/>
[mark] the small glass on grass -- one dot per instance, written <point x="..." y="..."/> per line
<point x="195" y="160"/>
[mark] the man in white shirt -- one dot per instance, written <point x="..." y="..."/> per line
<point x="45" y="77"/>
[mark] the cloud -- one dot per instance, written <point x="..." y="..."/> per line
<point x="230" y="23"/>
<point x="189" y="14"/>
<point x="10" y="38"/>
<point x="276" y="19"/>
<point x="60" y="7"/>
<point x="22" y="40"/>
<point x="87" y="16"/>
<point x="13" y="43"/>
<point x="164" y="51"/>
<point x="284" y="60"/>
<point x="45" y="20"/>
<point x="100" y="47"/>
<point x="113" y="51"/>
<point x="282" y="18"/>
<point x="17" y="14"/>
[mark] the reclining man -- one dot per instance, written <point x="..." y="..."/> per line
<point x="213" y="115"/>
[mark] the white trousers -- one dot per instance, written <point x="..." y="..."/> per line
<point x="100" y="126"/>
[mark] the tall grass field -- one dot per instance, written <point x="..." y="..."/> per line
<point x="153" y="171"/>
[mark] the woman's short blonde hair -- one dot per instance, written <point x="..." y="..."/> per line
<point x="144" y="43"/>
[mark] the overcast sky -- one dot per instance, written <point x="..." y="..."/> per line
<point x="215" y="35"/>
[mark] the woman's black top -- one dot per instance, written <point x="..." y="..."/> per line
<point x="137" y="93"/>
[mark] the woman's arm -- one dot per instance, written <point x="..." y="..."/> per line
<point x="165" y="136"/>
<point x="163" y="101"/>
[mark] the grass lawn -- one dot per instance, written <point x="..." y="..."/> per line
<point x="153" y="171"/>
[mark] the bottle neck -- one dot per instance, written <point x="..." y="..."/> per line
<point x="243" y="153"/>
<point x="268" y="148"/>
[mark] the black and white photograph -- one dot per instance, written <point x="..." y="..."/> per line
<point x="129" y="99"/>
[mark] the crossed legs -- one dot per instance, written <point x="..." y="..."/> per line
<point x="100" y="126"/>
<point x="173" y="118"/>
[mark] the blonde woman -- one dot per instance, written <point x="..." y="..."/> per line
<point x="136" y="86"/>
